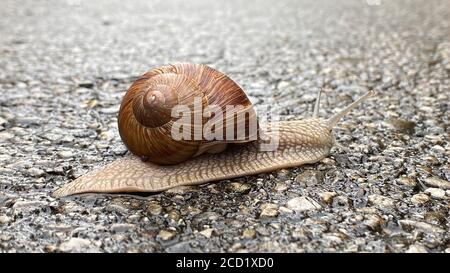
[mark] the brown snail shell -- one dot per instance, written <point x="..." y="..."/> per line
<point x="145" y="116"/>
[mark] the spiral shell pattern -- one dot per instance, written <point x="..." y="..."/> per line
<point x="145" y="116"/>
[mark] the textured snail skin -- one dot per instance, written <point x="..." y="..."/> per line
<point x="300" y="142"/>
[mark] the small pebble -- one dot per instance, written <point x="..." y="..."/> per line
<point x="438" y="183"/>
<point x="75" y="245"/>
<point x="268" y="210"/>
<point x="65" y="154"/>
<point x="154" y="208"/>
<point x="27" y="206"/>
<point x="119" y="227"/>
<point x="5" y="237"/>
<point x="373" y="221"/>
<point x="4" y="219"/>
<point x="409" y="225"/>
<point x="238" y="187"/>
<point x="207" y="232"/>
<point x="283" y="85"/>
<point x="309" y="177"/>
<point x="36" y="172"/>
<point x="4" y="136"/>
<point x="436" y="193"/>
<point x="416" y="248"/>
<point x="280" y="187"/>
<point x="283" y="174"/>
<point x="327" y="197"/>
<point x="166" y="235"/>
<point x="420" y="198"/>
<point x="403" y="126"/>
<point x="249" y="233"/>
<point x="302" y="204"/>
<point x="407" y="181"/>
<point x="3" y="121"/>
<point x="381" y="201"/>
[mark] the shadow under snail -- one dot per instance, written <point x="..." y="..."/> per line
<point x="158" y="161"/>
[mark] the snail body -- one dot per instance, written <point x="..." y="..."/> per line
<point x="197" y="161"/>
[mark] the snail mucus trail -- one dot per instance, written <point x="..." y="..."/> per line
<point x="145" y="123"/>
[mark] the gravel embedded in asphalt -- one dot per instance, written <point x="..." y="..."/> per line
<point x="65" y="66"/>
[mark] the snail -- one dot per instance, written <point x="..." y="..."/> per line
<point x="159" y="161"/>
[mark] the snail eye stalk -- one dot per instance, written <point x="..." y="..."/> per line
<point x="337" y="117"/>
<point x="317" y="105"/>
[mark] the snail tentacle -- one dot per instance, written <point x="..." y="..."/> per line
<point x="317" y="105"/>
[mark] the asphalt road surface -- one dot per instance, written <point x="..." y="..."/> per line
<point x="65" y="65"/>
